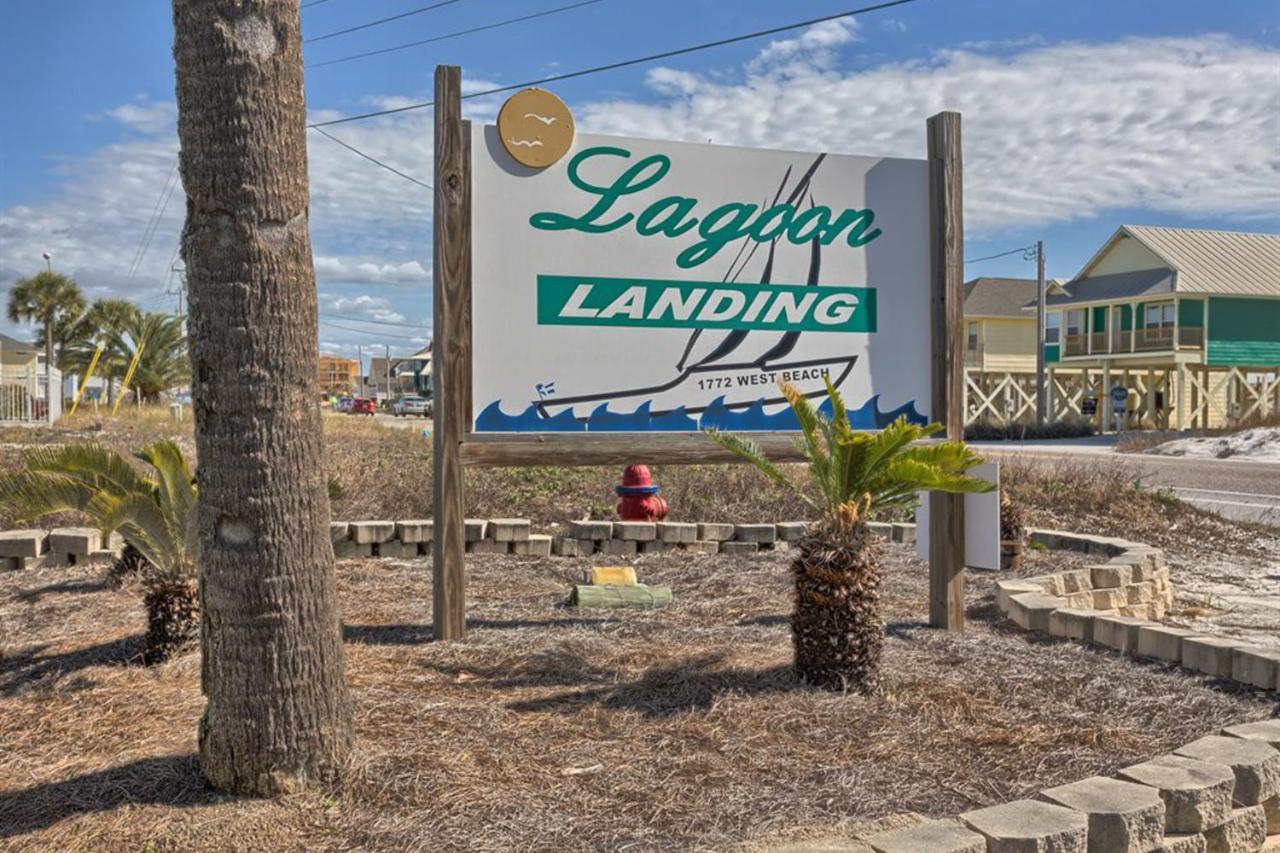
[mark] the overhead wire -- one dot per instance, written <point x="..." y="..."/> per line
<point x="1028" y="254"/>
<point x="453" y="35"/>
<point x="612" y="66"/>
<point x="331" y="325"/>
<point x="381" y="21"/>
<point x="370" y="157"/>
<point x="153" y="221"/>
<point x="376" y="322"/>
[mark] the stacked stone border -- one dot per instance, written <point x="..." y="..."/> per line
<point x="61" y="546"/>
<point x="1219" y="794"/>
<point x="1117" y="604"/>
<point x="403" y="539"/>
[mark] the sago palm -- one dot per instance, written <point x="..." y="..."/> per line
<point x="836" y="625"/>
<point x="153" y="510"/>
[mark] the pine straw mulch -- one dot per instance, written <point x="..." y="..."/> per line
<point x="549" y="729"/>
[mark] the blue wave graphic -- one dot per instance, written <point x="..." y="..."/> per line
<point x="493" y="419"/>
<point x="603" y="420"/>
<point x="751" y="419"/>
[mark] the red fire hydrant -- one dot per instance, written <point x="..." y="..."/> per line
<point x="638" y="494"/>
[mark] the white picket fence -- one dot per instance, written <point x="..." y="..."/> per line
<point x="22" y="394"/>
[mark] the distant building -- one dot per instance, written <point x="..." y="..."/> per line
<point x="338" y="375"/>
<point x="22" y="382"/>
<point x="417" y="368"/>
<point x="1187" y="319"/>
<point x="391" y="377"/>
<point x="999" y="334"/>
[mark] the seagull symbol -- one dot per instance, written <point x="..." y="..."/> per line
<point x="543" y="119"/>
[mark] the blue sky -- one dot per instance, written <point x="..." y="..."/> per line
<point x="1078" y="116"/>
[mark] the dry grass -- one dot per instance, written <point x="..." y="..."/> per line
<point x="1111" y="500"/>
<point x="547" y="728"/>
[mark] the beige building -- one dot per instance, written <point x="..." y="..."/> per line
<point x="1000" y="331"/>
<point x="338" y="375"/>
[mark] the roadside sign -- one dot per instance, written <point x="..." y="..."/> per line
<point x="1119" y="394"/>
<point x="638" y="285"/>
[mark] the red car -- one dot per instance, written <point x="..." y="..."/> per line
<point x="363" y="406"/>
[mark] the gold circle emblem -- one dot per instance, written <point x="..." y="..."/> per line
<point x="536" y="128"/>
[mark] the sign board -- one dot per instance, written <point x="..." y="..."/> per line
<point x="1119" y="394"/>
<point x="601" y="300"/>
<point x="981" y="522"/>
<point x="644" y="286"/>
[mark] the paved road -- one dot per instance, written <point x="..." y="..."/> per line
<point x="1242" y="489"/>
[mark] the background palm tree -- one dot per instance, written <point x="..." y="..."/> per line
<point x="153" y="510"/>
<point x="836" y="625"/>
<point x="52" y="301"/>
<point x="165" y="362"/>
<point x="105" y="319"/>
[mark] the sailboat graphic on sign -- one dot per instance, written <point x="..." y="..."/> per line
<point x="700" y="378"/>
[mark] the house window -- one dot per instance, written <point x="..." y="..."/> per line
<point x="1052" y="327"/>
<point x="1075" y="321"/>
<point x="1161" y="316"/>
<point x="973" y="336"/>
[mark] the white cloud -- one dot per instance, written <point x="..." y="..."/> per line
<point x="815" y="45"/>
<point x="1051" y="134"/>
<point x="361" y="307"/>
<point x="367" y="272"/>
<point x="144" y="115"/>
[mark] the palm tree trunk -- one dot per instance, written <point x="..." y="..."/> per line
<point x="279" y="712"/>
<point x="836" y="627"/>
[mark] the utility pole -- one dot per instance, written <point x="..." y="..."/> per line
<point x="359" y="371"/>
<point x="1040" y="306"/>
<point x="387" y="364"/>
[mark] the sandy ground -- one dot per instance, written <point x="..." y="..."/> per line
<point x="1228" y="594"/>
<point x="1261" y="444"/>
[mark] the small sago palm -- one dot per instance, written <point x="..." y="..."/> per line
<point x="152" y="510"/>
<point x="836" y="626"/>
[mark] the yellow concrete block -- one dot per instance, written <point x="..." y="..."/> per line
<point x="612" y="576"/>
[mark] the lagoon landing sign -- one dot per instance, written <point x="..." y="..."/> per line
<point x="601" y="300"/>
<point x="641" y="286"/>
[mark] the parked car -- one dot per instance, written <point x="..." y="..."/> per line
<point x="411" y="405"/>
<point x="344" y="404"/>
<point x="363" y="406"/>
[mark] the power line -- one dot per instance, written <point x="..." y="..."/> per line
<point x="331" y="325"/>
<point x="386" y="20"/>
<point x="153" y="222"/>
<point x="312" y="3"/>
<point x="629" y="62"/>
<point x="346" y="319"/>
<point x="448" y="36"/>
<point x="1028" y="254"/>
<point x="369" y="157"/>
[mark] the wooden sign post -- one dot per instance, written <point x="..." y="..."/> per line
<point x="903" y="306"/>
<point x="946" y="258"/>
<point x="451" y="350"/>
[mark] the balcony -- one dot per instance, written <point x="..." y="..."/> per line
<point x="1075" y="345"/>
<point x="1120" y="341"/>
<point x="973" y="355"/>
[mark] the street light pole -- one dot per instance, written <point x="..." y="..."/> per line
<point x="48" y="262"/>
